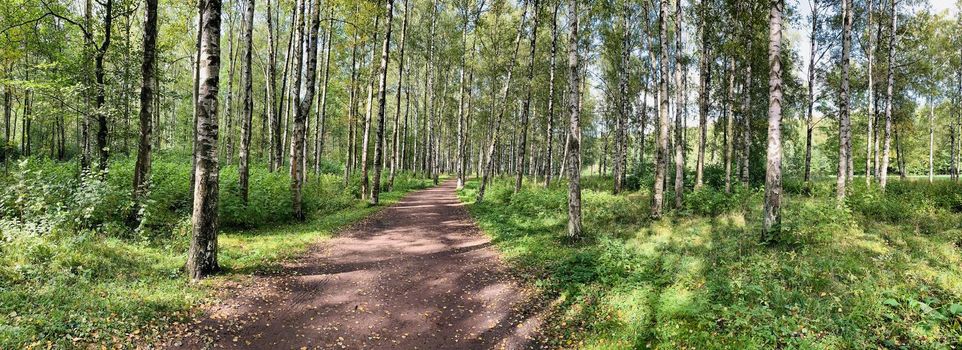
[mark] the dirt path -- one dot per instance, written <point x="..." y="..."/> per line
<point x="417" y="275"/>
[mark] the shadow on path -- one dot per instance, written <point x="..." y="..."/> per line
<point x="417" y="275"/>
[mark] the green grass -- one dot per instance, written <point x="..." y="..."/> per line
<point x="839" y="278"/>
<point x="63" y="287"/>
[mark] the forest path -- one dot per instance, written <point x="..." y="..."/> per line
<point x="416" y="275"/>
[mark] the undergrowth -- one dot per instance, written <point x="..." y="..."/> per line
<point x="74" y="271"/>
<point x="881" y="271"/>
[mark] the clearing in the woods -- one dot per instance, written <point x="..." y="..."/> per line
<point x="416" y="275"/>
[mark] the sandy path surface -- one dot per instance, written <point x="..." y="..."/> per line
<point x="417" y="275"/>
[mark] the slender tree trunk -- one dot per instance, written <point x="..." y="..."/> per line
<point x="322" y="104"/>
<point x="661" y="150"/>
<point x="100" y="75"/>
<point x="142" y="167"/>
<point x="303" y="104"/>
<point x="705" y="87"/>
<point x="365" y="141"/>
<point x="229" y="103"/>
<point x="729" y="127"/>
<point x="622" y="115"/>
<point x="273" y="119"/>
<point x="845" y="126"/>
<point x="279" y="132"/>
<point x="899" y="155"/>
<point x="771" y="225"/>
<point x="382" y="99"/>
<point x="461" y="110"/>
<point x="953" y="135"/>
<point x="486" y="172"/>
<point x="931" y="141"/>
<point x="810" y="101"/>
<point x="526" y="110"/>
<point x="85" y="156"/>
<point x="872" y="112"/>
<point x="7" y="112"/>
<point x="680" y="94"/>
<point x="747" y="116"/>
<point x="351" y="115"/>
<point x="549" y="135"/>
<point x="248" y="100"/>
<point x="202" y="256"/>
<point x="893" y="26"/>
<point x="573" y="148"/>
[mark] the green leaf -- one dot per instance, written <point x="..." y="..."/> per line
<point x="891" y="302"/>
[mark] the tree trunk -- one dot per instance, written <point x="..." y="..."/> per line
<point x="7" y="111"/>
<point x="461" y="109"/>
<point x="771" y="225"/>
<point x="549" y="130"/>
<point x="303" y="104"/>
<point x="202" y="256"/>
<point x="893" y="26"/>
<point x="845" y="136"/>
<point x="899" y="154"/>
<point x="322" y="104"/>
<point x="142" y="167"/>
<point x="382" y="99"/>
<point x="931" y="141"/>
<point x="100" y="75"/>
<point x="573" y="148"/>
<point x="486" y="172"/>
<point x="526" y="110"/>
<point x="747" y="116"/>
<point x="680" y="95"/>
<point x="279" y="132"/>
<point x="870" y="119"/>
<point x="365" y="141"/>
<point x="273" y="119"/>
<point x="661" y="150"/>
<point x="351" y="115"/>
<point x="729" y="126"/>
<point x="705" y="87"/>
<point x="85" y="156"/>
<point x="810" y="101"/>
<point x="229" y="103"/>
<point x="622" y="115"/>
<point x="248" y="100"/>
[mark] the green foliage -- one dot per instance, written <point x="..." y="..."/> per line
<point x="74" y="272"/>
<point x="839" y="278"/>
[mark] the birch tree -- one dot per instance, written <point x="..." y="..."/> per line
<point x="202" y="255"/>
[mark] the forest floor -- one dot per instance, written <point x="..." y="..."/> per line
<point x="417" y="275"/>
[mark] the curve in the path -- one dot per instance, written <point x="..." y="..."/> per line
<point x="416" y="275"/>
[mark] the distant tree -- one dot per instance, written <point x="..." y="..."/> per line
<point x="492" y="143"/>
<point x="247" y="84"/>
<point x="526" y="110"/>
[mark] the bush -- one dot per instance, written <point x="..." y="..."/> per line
<point x="46" y="196"/>
<point x="815" y="221"/>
